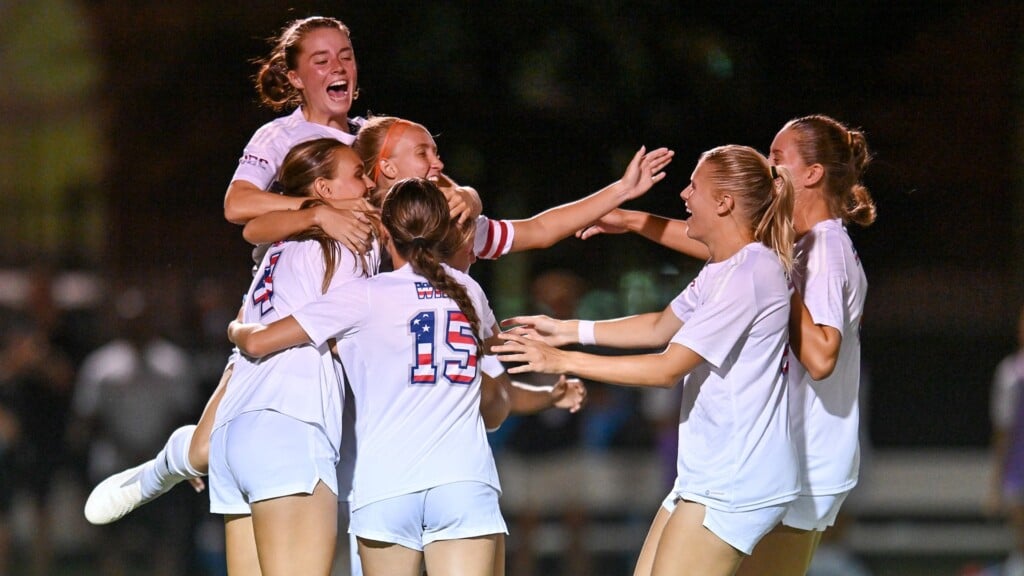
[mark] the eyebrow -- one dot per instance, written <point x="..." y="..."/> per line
<point x="327" y="52"/>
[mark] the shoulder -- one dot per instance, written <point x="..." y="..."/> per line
<point x="272" y="132"/>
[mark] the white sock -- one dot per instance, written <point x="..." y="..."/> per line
<point x="170" y="466"/>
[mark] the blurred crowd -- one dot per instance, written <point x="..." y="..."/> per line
<point x="94" y="374"/>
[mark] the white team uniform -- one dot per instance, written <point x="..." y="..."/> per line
<point x="265" y="152"/>
<point x="412" y="367"/>
<point x="825" y="414"/>
<point x="735" y="453"/>
<point x="300" y="383"/>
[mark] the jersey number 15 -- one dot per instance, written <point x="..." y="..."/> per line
<point x="455" y="356"/>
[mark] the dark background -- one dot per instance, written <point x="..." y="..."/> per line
<point x="540" y="102"/>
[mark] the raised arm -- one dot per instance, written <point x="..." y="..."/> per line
<point x="668" y="232"/>
<point x="814" y="345"/>
<point x="259" y="340"/>
<point x="550" y="226"/>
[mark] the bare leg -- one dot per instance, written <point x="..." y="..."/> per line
<point x="645" y="563"/>
<point x="387" y="559"/>
<point x="297" y="534"/>
<point x="687" y="548"/>
<point x="499" y="555"/>
<point x="462" y="557"/>
<point x="199" y="448"/>
<point x="240" y="546"/>
<point x="784" y="551"/>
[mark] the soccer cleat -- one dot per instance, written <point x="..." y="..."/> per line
<point x="115" y="497"/>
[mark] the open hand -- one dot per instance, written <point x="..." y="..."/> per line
<point x="645" y="170"/>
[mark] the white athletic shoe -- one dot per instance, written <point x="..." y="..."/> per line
<point x="115" y="497"/>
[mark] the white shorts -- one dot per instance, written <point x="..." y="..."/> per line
<point x="265" y="454"/>
<point x="814" y="512"/>
<point x="741" y="530"/>
<point x="445" y="512"/>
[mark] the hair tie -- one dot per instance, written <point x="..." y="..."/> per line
<point x="391" y="137"/>
<point x="773" y="171"/>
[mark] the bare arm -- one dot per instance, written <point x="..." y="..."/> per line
<point x="350" y="222"/>
<point x="650" y="330"/>
<point x="495" y="402"/>
<point x="245" y="201"/>
<point x="662" y="370"/>
<point x="815" y="346"/>
<point x="668" y="232"/>
<point x="259" y="340"/>
<point x="568" y="394"/>
<point x="550" y="226"/>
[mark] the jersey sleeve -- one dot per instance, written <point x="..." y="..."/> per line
<point x="824" y="292"/>
<point x="340" y="311"/>
<point x="493" y="238"/>
<point x="684" y="304"/>
<point x="725" y="316"/>
<point x="260" y="159"/>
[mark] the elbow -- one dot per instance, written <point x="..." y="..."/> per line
<point x="234" y="205"/>
<point x="248" y="235"/>
<point x="820" y="368"/>
<point x="233" y="214"/>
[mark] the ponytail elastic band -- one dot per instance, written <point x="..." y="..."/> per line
<point x="585" y="332"/>
<point x="774" y="171"/>
<point x="391" y="137"/>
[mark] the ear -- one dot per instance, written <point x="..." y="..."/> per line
<point x="813" y="176"/>
<point x="725" y="205"/>
<point x="322" y="189"/>
<point x="387" y="168"/>
<point x="295" y="81"/>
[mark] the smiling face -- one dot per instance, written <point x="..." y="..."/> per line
<point x="701" y="202"/>
<point x="414" y="155"/>
<point x="348" y="180"/>
<point x="784" y="152"/>
<point x="325" y="74"/>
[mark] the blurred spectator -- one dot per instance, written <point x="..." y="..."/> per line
<point x="1006" y="492"/>
<point x="36" y="377"/>
<point x="131" y="393"/>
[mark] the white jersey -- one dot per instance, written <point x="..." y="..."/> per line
<point x="735" y="452"/>
<point x="412" y="366"/>
<point x="825" y="414"/>
<point x="493" y="238"/>
<point x="300" y="382"/>
<point x="265" y="152"/>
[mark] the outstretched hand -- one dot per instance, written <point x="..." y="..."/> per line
<point x="541" y="328"/>
<point x="531" y="355"/>
<point x="645" y="170"/>
<point x="569" y="394"/>
<point x="613" y="222"/>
